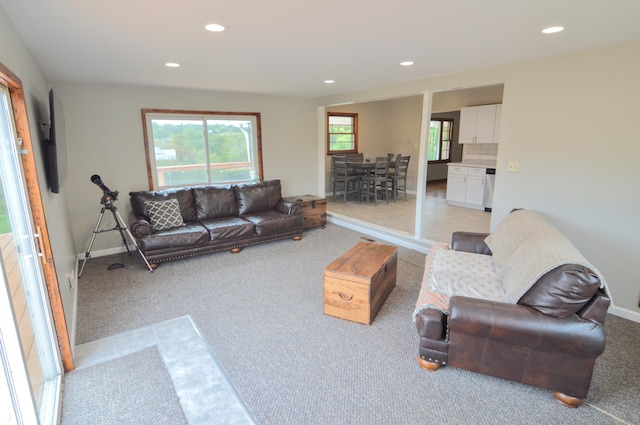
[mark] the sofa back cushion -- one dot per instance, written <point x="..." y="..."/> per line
<point x="257" y="197"/>
<point x="563" y="290"/>
<point x="215" y="201"/>
<point x="184" y="197"/>
<point x="511" y="232"/>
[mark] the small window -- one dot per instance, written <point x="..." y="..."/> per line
<point x="342" y="133"/>
<point x="190" y="148"/>
<point x="440" y="135"/>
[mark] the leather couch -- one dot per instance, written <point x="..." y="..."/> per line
<point x="547" y="334"/>
<point x="212" y="218"/>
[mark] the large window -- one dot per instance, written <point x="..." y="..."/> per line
<point x="191" y="147"/>
<point x="342" y="133"/>
<point x="440" y="134"/>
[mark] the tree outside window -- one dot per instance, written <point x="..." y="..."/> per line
<point x="440" y="134"/>
<point x="342" y="133"/>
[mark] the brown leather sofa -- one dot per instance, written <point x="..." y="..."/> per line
<point x="550" y="338"/>
<point x="213" y="218"/>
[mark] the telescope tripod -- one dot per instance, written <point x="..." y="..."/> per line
<point x="120" y="227"/>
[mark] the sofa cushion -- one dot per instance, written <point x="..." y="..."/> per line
<point x="214" y="201"/>
<point x="562" y="291"/>
<point x="513" y="230"/>
<point x="273" y="222"/>
<point x="192" y="234"/>
<point x="228" y="228"/>
<point x="183" y="195"/>
<point x="448" y="273"/>
<point x="257" y="197"/>
<point x="164" y="214"/>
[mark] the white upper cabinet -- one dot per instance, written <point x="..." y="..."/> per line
<point x="478" y="124"/>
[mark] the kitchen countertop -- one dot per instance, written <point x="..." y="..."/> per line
<point x="479" y="164"/>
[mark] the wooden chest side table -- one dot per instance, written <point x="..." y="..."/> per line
<point x="314" y="210"/>
<point x="357" y="283"/>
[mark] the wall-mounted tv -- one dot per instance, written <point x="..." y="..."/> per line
<point x="55" y="147"/>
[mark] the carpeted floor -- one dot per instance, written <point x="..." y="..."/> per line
<point x="131" y="390"/>
<point x="261" y="312"/>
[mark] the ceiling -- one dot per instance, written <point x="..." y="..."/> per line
<point x="289" y="47"/>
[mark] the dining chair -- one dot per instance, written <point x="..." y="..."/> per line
<point x="343" y="178"/>
<point x="377" y="181"/>
<point x="393" y="158"/>
<point x="398" y="178"/>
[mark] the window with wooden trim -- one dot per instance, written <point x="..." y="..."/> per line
<point x="192" y="147"/>
<point x="440" y="136"/>
<point x="342" y="132"/>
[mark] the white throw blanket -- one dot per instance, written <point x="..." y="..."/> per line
<point x="524" y="247"/>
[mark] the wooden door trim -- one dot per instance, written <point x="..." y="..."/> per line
<point x="14" y="84"/>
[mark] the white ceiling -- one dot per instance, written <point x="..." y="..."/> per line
<point x="289" y="47"/>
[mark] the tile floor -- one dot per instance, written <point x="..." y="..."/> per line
<point x="206" y="395"/>
<point x="440" y="220"/>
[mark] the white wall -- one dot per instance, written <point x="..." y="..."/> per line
<point x="14" y="56"/>
<point x="572" y="122"/>
<point x="104" y="136"/>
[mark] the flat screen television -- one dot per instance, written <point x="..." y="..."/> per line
<point x="55" y="149"/>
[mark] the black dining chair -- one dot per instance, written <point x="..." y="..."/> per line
<point x="377" y="181"/>
<point x="343" y="177"/>
<point x="398" y="177"/>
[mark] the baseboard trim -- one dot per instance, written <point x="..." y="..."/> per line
<point x="386" y="234"/>
<point x="105" y="252"/>
<point x="625" y="313"/>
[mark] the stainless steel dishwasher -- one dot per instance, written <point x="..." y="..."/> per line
<point x="489" y="181"/>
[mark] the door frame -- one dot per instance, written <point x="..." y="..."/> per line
<point x="18" y="104"/>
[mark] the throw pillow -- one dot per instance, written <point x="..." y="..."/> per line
<point x="164" y="214"/>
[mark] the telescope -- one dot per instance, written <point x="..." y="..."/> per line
<point x="108" y="196"/>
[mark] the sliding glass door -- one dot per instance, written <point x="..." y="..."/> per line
<point x="31" y="368"/>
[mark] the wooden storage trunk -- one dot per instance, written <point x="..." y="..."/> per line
<point x="314" y="210"/>
<point x="357" y="284"/>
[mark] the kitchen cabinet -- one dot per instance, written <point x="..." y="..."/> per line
<point x="465" y="186"/>
<point x="480" y="124"/>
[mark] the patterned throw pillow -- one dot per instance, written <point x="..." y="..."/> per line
<point x="164" y="214"/>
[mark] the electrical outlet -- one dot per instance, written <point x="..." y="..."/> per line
<point x="513" y="167"/>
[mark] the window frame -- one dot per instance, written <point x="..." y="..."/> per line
<point x="352" y="115"/>
<point x="169" y="114"/>
<point x="440" y="142"/>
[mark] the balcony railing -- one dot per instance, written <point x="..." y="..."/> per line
<point x="161" y="171"/>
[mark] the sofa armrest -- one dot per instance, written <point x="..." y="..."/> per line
<point x="525" y="326"/>
<point x="140" y="226"/>
<point x="470" y="242"/>
<point x="431" y="324"/>
<point x="287" y="207"/>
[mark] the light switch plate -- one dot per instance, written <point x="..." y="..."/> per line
<point x="513" y="167"/>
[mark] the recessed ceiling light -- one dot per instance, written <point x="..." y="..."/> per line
<point x="552" y="30"/>
<point x="214" y="27"/>
<point x="329" y="81"/>
<point x="172" y="65"/>
<point x="406" y="63"/>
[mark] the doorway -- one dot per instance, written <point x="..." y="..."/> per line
<point x="31" y="364"/>
<point x="395" y="125"/>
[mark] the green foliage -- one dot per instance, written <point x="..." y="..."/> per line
<point x="227" y="143"/>
<point x="434" y="143"/>
<point x="5" y="224"/>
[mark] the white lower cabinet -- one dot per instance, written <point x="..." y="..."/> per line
<point x="465" y="186"/>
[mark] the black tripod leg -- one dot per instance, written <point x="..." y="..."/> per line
<point x="120" y="227"/>
<point x="87" y="254"/>
<point x="123" y="227"/>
